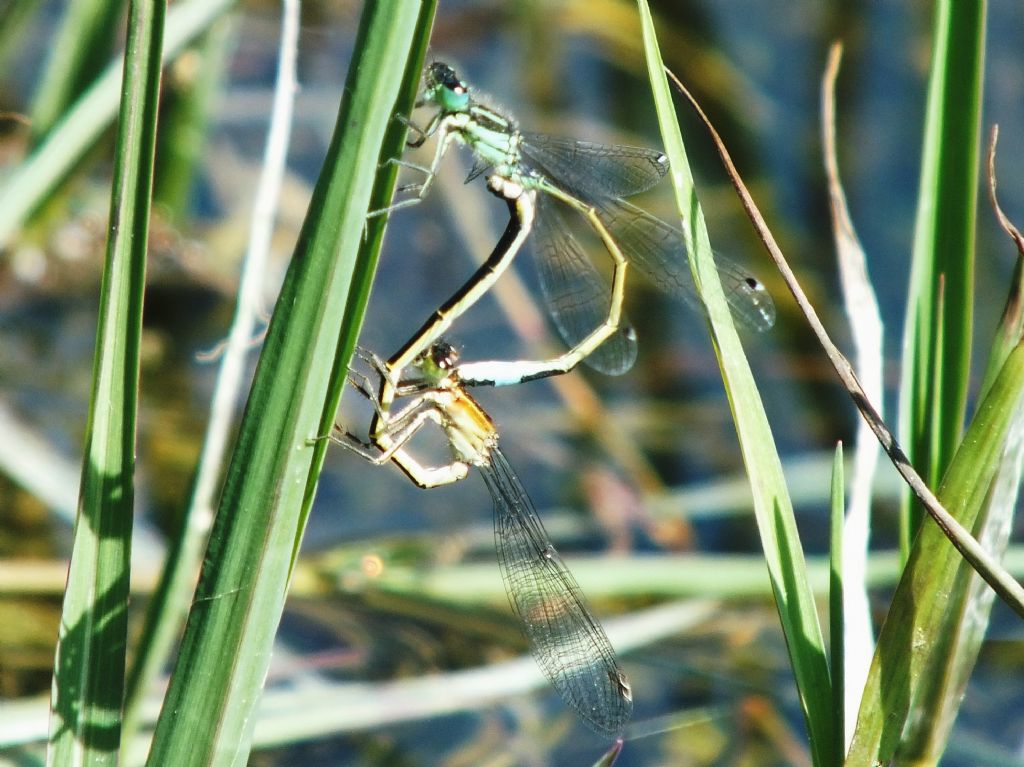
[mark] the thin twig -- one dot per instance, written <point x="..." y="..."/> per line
<point x="1005" y="222"/>
<point x="1012" y="322"/>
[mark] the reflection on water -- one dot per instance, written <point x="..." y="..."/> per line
<point x="571" y="68"/>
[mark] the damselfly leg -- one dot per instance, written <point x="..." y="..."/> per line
<point x="566" y="639"/>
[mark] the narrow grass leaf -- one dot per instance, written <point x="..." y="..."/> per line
<point x="971" y="599"/>
<point x="207" y="716"/>
<point x="81" y="126"/>
<point x="909" y="674"/>
<point x="78" y="54"/>
<point x="1009" y="590"/>
<point x="936" y="349"/>
<point x="393" y="147"/>
<point x="772" y="506"/>
<point x="968" y="547"/>
<point x="85" y="716"/>
<point x="14" y="17"/>
<point x="168" y="607"/>
<point x="184" y="119"/>
<point x="836" y="605"/>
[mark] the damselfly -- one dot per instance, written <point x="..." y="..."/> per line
<point x="592" y="179"/>
<point x="567" y="641"/>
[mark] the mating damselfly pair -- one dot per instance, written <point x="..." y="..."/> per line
<point x="548" y="176"/>
<point x="541" y="178"/>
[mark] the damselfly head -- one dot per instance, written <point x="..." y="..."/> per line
<point x="438" y="362"/>
<point x="444" y="355"/>
<point x="444" y="88"/>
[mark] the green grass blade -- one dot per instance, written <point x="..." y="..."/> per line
<point x="836" y="602"/>
<point x="387" y="174"/>
<point x="910" y="669"/>
<point x="208" y="713"/>
<point x="772" y="505"/>
<point x="77" y="56"/>
<point x="936" y="357"/>
<point x="81" y="126"/>
<point x="88" y="688"/>
<point x="970" y="599"/>
<point x="14" y="17"/>
<point x="185" y="114"/>
<point x="168" y="606"/>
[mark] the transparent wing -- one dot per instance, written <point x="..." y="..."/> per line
<point x="576" y="295"/>
<point x="658" y="250"/>
<point x="567" y="642"/>
<point x="591" y="170"/>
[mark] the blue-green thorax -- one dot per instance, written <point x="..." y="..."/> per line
<point x="494" y="138"/>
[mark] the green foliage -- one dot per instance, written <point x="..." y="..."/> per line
<point x="77" y="56"/>
<point x="39" y="176"/>
<point x="920" y="645"/>
<point x="208" y="712"/>
<point x="772" y="507"/>
<point x="937" y="333"/>
<point x="924" y="655"/>
<point x="89" y="673"/>
<point x="837" y="646"/>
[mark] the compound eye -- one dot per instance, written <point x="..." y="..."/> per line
<point x="445" y="76"/>
<point x="445" y="356"/>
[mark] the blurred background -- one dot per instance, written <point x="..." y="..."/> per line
<point x="635" y="474"/>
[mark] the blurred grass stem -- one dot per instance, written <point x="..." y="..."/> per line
<point x="35" y="178"/>
<point x="168" y="608"/>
